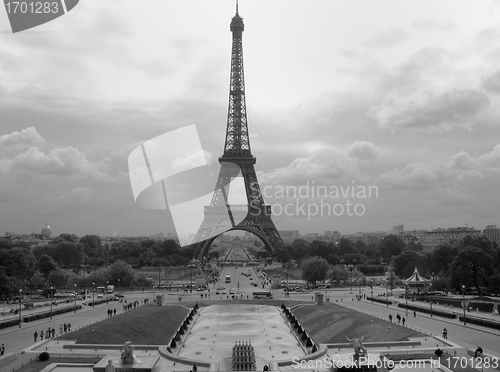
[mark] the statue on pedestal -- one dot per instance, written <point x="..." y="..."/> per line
<point x="128" y="352"/>
<point x="110" y="367"/>
<point x="359" y="348"/>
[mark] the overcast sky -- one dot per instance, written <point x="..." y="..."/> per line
<point x="400" y="96"/>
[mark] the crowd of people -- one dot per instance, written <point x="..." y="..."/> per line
<point x="51" y="332"/>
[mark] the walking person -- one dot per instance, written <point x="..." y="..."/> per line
<point x="445" y="333"/>
<point x="35" y="336"/>
<point x="41" y="335"/>
<point x="61" y="329"/>
<point x="404" y="321"/>
<point x="2" y="349"/>
<point x="53" y="332"/>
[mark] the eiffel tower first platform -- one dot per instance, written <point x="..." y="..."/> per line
<point x="237" y="161"/>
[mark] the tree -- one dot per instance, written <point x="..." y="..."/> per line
<point x="18" y="262"/>
<point x="59" y="278"/>
<point x="339" y="273"/>
<point x="471" y="267"/>
<point x="391" y="245"/>
<point x="92" y="245"/>
<point x="282" y="254"/>
<point x="345" y="246"/>
<point x="121" y="273"/>
<point x="314" y="269"/>
<point x="46" y="265"/>
<point x="405" y="263"/>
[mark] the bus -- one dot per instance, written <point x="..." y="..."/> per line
<point x="262" y="294"/>
<point x="100" y="290"/>
<point x="228" y="278"/>
<point x="111" y="288"/>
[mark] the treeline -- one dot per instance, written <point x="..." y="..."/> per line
<point x="473" y="262"/>
<point x="67" y="260"/>
<point x="347" y="251"/>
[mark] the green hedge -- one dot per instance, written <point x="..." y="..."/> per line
<point x="427" y="310"/>
<point x="9" y="323"/>
<point x="46" y="314"/>
<point x="480" y="321"/>
<point x="379" y="300"/>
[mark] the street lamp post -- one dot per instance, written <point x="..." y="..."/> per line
<point x="51" y="294"/>
<point x="359" y="288"/>
<point x="107" y="291"/>
<point x="84" y="289"/>
<point x="386" y="292"/>
<point x="20" y="302"/>
<point x="118" y="289"/>
<point x="406" y="298"/>
<point x="75" y="298"/>
<point x="432" y="290"/>
<point x="159" y="277"/>
<point x="93" y="291"/>
<point x="463" y="289"/>
<point x="371" y="285"/>
<point x="350" y="275"/>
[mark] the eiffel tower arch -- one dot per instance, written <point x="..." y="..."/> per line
<point x="237" y="161"/>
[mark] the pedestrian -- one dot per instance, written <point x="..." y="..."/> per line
<point x="414" y="314"/>
<point x="41" y="335"/>
<point x="479" y="352"/>
<point x="61" y="330"/>
<point x="35" y="336"/>
<point x="390" y="317"/>
<point x="65" y="327"/>
<point x="2" y="349"/>
<point x="399" y="318"/>
<point x="69" y="327"/>
<point x="47" y="334"/>
<point x="445" y="333"/>
<point x="114" y="311"/>
<point x="53" y="332"/>
<point x="404" y="320"/>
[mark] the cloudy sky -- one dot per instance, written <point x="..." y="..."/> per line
<point x="399" y="96"/>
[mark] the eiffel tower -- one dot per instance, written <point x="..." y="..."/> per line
<point x="237" y="161"/>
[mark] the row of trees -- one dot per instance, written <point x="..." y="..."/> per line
<point x="472" y="261"/>
<point x="347" y="251"/>
<point x="67" y="260"/>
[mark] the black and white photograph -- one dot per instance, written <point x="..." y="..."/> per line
<point x="249" y="185"/>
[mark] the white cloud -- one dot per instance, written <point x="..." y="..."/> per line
<point x="363" y="150"/>
<point x="430" y="110"/>
<point x="491" y="82"/>
<point x="387" y="38"/>
<point x="59" y="162"/>
<point x="23" y="138"/>
<point x="325" y="165"/>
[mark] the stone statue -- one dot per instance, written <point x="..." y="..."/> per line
<point x="128" y="352"/>
<point x="359" y="348"/>
<point x="110" y="367"/>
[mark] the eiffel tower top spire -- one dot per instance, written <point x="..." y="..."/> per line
<point x="237" y="139"/>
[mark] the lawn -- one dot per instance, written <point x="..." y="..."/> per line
<point x="332" y="323"/>
<point x="147" y="325"/>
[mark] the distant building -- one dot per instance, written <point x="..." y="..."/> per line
<point x="431" y="239"/>
<point x="289" y="233"/>
<point x="46" y="232"/>
<point x="398" y="229"/>
<point x="492" y="232"/>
